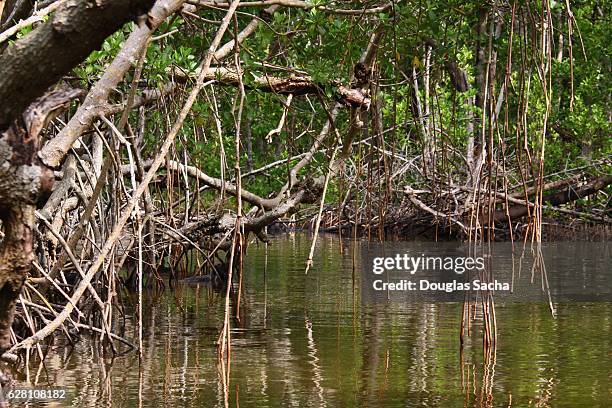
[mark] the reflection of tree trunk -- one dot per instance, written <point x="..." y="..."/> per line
<point x="317" y="378"/>
<point x="425" y="324"/>
<point x="371" y="351"/>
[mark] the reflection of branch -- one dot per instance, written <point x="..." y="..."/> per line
<point x="316" y="369"/>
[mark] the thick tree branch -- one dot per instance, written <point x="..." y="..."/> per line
<point x="39" y="60"/>
<point x="14" y="10"/>
<point x="96" y="101"/>
<point x="34" y="18"/>
<point x="296" y="85"/>
<point x="230" y="188"/>
<point x="308" y="192"/>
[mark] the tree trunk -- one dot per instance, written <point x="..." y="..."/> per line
<point x="32" y="64"/>
<point x="16" y="255"/>
<point x="23" y="180"/>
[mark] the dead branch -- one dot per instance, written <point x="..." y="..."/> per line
<point x="294" y="4"/>
<point x="562" y="197"/>
<point x="293" y="85"/>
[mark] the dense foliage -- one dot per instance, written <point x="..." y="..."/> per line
<point x="326" y="46"/>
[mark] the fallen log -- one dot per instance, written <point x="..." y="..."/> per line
<point x="217" y="226"/>
<point x="561" y="197"/>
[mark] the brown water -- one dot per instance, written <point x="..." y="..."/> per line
<point x="312" y="341"/>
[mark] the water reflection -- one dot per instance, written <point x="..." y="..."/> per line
<point x="312" y="341"/>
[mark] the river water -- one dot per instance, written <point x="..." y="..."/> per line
<point x="315" y="340"/>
